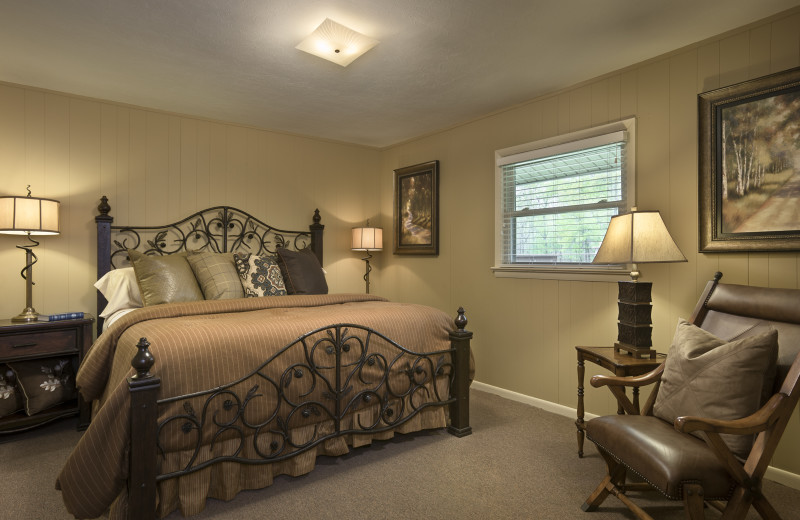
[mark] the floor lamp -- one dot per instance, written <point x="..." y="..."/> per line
<point x="367" y="239"/>
<point x="28" y="216"/>
<point x="635" y="238"/>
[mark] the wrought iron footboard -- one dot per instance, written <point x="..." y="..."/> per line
<point x="336" y="380"/>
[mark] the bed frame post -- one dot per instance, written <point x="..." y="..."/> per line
<point x="103" y="221"/>
<point x="459" y="409"/>
<point x="144" y="390"/>
<point x="316" y="235"/>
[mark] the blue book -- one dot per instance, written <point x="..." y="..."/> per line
<point x="59" y="317"/>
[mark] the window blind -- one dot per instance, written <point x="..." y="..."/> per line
<point x="557" y="202"/>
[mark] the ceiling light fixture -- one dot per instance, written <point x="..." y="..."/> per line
<point x="335" y="42"/>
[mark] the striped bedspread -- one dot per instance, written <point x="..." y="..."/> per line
<point x="206" y="344"/>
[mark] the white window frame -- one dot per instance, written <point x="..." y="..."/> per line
<point x="552" y="146"/>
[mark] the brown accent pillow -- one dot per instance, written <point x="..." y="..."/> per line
<point x="164" y="279"/>
<point x="301" y="272"/>
<point x="706" y="376"/>
<point x="216" y="274"/>
<point x="45" y="382"/>
<point x="11" y="398"/>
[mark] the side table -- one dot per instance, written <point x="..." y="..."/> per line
<point x="620" y="364"/>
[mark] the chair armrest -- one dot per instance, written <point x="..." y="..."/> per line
<point x="755" y="423"/>
<point x="617" y="385"/>
<point x="631" y="381"/>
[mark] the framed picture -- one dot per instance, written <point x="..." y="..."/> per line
<point x="749" y="165"/>
<point x="416" y="209"/>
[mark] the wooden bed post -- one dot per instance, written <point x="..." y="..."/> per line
<point x="316" y="235"/>
<point x="144" y="390"/>
<point x="103" y="221"/>
<point x="459" y="409"/>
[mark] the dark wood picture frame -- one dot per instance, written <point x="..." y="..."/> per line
<point x="747" y="165"/>
<point x="416" y="209"/>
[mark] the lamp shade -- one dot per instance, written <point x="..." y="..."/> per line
<point x="367" y="239"/>
<point x="638" y="237"/>
<point x="29" y="215"/>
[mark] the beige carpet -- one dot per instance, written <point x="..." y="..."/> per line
<point x="520" y="462"/>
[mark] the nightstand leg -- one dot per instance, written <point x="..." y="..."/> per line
<point x="579" y="423"/>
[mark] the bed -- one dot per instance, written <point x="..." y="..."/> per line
<point x="202" y="398"/>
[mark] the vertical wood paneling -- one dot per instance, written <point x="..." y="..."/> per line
<point x="188" y="153"/>
<point x="57" y="172"/>
<point x="120" y="203"/>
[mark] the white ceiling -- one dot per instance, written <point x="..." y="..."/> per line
<point x="438" y="63"/>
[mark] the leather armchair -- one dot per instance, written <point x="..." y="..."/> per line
<point x="701" y="469"/>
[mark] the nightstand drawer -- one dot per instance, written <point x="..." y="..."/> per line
<point x="36" y="343"/>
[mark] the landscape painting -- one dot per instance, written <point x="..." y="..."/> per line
<point x="416" y="207"/>
<point x="750" y="179"/>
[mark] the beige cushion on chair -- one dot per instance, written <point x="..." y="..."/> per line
<point x="708" y="377"/>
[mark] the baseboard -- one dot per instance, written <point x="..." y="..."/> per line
<point x="774" y="474"/>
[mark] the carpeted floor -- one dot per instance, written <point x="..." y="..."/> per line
<point x="520" y="462"/>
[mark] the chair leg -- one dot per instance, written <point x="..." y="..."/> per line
<point x="739" y="504"/>
<point x="693" y="501"/>
<point x="614" y="478"/>
<point x="765" y="509"/>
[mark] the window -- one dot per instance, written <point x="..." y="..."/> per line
<point x="555" y="197"/>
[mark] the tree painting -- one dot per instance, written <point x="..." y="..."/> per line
<point x="416" y="204"/>
<point x="760" y="165"/>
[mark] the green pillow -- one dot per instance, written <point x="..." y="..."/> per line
<point x="164" y="279"/>
<point x="216" y="274"/>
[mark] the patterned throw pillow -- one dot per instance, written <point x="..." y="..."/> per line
<point x="45" y="382"/>
<point x="260" y="275"/>
<point x="11" y="399"/>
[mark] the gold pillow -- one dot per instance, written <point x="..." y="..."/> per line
<point x="164" y="279"/>
<point x="216" y="273"/>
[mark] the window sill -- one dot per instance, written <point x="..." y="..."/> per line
<point x="581" y="274"/>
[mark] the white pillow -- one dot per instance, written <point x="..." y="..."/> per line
<point x="120" y="288"/>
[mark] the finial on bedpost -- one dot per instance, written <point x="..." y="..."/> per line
<point x="143" y="361"/>
<point x="717" y="276"/>
<point x="317" y="219"/>
<point x="461" y="319"/>
<point x="104" y="207"/>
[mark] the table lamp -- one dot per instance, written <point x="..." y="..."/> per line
<point x="635" y="238"/>
<point x="28" y="216"/>
<point x="367" y="239"/>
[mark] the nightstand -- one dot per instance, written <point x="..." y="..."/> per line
<point x="620" y="364"/>
<point x="66" y="339"/>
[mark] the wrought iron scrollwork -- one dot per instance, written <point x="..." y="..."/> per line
<point x="331" y="373"/>
<point x="219" y="229"/>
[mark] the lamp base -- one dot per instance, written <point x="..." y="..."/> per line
<point x="634" y="351"/>
<point x="27" y="315"/>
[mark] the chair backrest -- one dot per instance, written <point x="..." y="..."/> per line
<point x="732" y="311"/>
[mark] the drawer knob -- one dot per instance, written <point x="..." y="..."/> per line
<point x="25" y="345"/>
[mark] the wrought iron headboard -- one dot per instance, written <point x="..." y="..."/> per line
<point x="218" y="229"/>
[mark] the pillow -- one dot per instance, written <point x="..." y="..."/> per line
<point x="120" y="289"/>
<point x="260" y="275"/>
<point x="301" y="272"/>
<point x="216" y="274"/>
<point x="11" y="399"/>
<point x="708" y="377"/>
<point x="164" y="279"/>
<point x="45" y="382"/>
